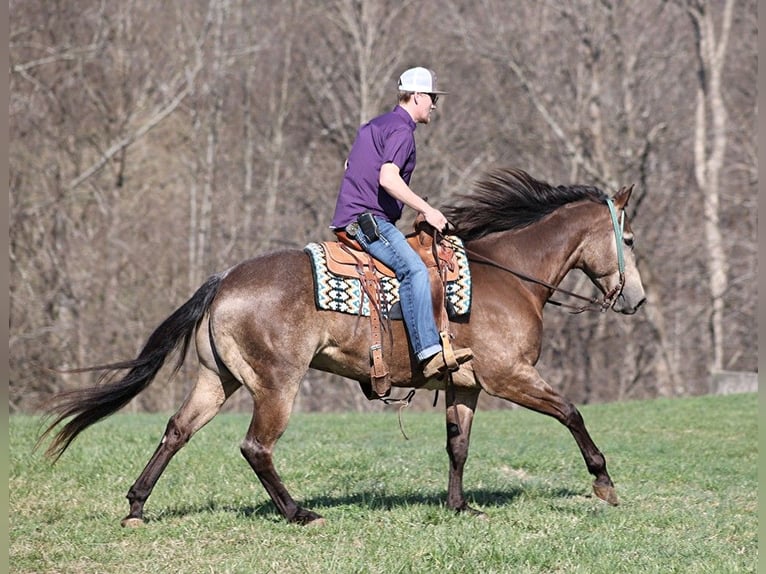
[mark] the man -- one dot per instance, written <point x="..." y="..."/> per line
<point x="374" y="190"/>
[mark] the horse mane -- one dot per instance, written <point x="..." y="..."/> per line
<point x="507" y="199"/>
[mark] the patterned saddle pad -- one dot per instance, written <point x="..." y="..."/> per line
<point x="345" y="294"/>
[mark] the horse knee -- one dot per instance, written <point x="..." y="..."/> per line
<point x="571" y="416"/>
<point x="458" y="453"/>
<point x="457" y="447"/>
<point x="254" y="453"/>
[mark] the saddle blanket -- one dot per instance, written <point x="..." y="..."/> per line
<point x="345" y="294"/>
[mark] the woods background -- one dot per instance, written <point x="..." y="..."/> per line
<point x="154" y="143"/>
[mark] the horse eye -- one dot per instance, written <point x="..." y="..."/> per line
<point x="628" y="239"/>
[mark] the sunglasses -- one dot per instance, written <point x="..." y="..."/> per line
<point x="434" y="98"/>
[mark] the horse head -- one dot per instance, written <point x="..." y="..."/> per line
<point x="609" y="261"/>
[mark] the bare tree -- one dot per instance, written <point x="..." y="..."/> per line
<point x="355" y="53"/>
<point x="152" y="144"/>
<point x="586" y="96"/>
<point x="710" y="140"/>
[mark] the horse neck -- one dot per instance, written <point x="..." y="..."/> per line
<point x="546" y="250"/>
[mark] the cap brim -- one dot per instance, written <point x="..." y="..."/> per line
<point x="406" y="89"/>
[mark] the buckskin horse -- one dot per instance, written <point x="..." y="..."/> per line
<point x="256" y="325"/>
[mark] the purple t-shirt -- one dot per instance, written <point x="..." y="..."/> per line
<point x="386" y="138"/>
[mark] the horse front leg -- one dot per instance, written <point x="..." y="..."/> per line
<point x="528" y="389"/>
<point x="603" y="487"/>
<point x="461" y="405"/>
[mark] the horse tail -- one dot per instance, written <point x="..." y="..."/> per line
<point x="90" y="405"/>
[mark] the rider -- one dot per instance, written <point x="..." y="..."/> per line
<point x="374" y="190"/>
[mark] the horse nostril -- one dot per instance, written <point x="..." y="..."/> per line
<point x="640" y="303"/>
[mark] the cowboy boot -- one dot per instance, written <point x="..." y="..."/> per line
<point x="436" y="366"/>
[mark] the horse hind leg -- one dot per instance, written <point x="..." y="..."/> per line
<point x="271" y="413"/>
<point x="201" y="405"/>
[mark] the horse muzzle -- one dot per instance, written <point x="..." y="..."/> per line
<point x="626" y="304"/>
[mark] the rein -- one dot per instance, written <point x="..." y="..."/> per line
<point x="594" y="303"/>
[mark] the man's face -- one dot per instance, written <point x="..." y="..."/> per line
<point x="424" y="104"/>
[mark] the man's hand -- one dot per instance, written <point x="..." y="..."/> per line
<point x="392" y="182"/>
<point x="435" y="218"/>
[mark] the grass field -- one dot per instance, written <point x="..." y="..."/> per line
<point x="685" y="469"/>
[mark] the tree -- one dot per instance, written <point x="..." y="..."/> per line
<point x="710" y="141"/>
<point x="153" y="144"/>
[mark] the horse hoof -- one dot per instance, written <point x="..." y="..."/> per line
<point x="131" y="522"/>
<point x="307" y="518"/>
<point x="607" y="494"/>
<point x="470" y="511"/>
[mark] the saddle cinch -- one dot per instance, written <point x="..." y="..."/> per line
<point x="346" y="258"/>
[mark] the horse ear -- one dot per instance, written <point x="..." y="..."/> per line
<point x="622" y="197"/>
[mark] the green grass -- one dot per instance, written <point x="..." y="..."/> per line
<point x="685" y="470"/>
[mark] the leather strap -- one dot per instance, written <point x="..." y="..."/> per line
<point x="371" y="288"/>
<point x="378" y="367"/>
<point x="444" y="257"/>
<point x="346" y="239"/>
<point x="443" y="264"/>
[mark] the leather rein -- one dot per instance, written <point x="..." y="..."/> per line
<point x="594" y="303"/>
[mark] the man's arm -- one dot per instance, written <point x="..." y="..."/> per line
<point x="392" y="182"/>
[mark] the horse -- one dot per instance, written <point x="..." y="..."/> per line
<point x="256" y="325"/>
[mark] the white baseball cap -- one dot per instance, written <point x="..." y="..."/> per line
<point x="418" y="80"/>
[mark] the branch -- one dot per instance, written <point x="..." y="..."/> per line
<point x="130" y="138"/>
<point x="554" y="125"/>
<point x="73" y="54"/>
<point x="160" y="114"/>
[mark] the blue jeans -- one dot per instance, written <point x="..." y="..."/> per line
<point x="414" y="286"/>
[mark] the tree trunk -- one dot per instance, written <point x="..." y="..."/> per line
<point x="709" y="151"/>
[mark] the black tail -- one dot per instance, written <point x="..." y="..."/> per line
<point x="90" y="405"/>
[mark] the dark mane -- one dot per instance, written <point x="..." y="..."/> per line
<point x="508" y="199"/>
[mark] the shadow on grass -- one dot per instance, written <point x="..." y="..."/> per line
<point x="481" y="499"/>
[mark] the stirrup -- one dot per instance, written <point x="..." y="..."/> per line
<point x="437" y="365"/>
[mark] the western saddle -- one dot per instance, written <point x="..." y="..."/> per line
<point x="346" y="258"/>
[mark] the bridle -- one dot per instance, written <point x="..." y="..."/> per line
<point x="618" y="227"/>
<point x="594" y="303"/>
